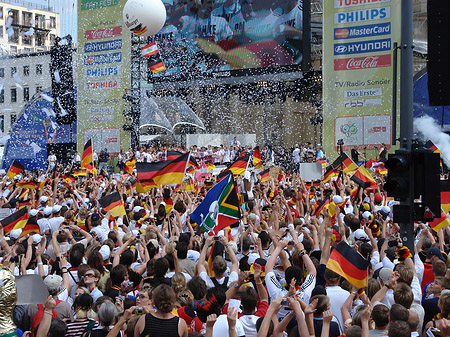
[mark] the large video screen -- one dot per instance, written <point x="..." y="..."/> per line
<point x="214" y="38"/>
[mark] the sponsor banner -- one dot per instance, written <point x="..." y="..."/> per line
<point x="362" y="15"/>
<point x="96" y="4"/>
<point x="362" y="31"/>
<point x="358" y="37"/>
<point x="104" y="33"/>
<point x="354" y="3"/>
<point x="362" y="47"/>
<point x="101" y="118"/>
<point x="364" y="62"/>
<point x="102" y="85"/>
<point x="101" y="110"/>
<point x="102" y="58"/>
<point x="102" y="71"/>
<point x="102" y="46"/>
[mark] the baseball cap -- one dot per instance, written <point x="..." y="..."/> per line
<point x="384" y="274"/>
<point x="43" y="199"/>
<point x="433" y="252"/>
<point x="47" y="210"/>
<point x="95" y="216"/>
<point x="37" y="238"/>
<point x="105" y="252"/>
<point x="15" y="233"/>
<point x="361" y="235"/>
<point x="56" y="208"/>
<point x="33" y="212"/>
<point x="377" y="197"/>
<point x="53" y="283"/>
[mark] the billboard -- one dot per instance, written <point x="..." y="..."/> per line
<point x="223" y="38"/>
<point x="103" y="74"/>
<point x="358" y="40"/>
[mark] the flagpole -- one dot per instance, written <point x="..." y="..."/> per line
<point x="187" y="164"/>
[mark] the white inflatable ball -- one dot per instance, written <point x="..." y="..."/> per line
<point x="144" y="17"/>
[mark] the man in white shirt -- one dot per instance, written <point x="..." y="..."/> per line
<point x="56" y="220"/>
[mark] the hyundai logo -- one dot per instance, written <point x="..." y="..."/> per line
<point x="340" y="49"/>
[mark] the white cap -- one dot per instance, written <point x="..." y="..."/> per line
<point x="386" y="209"/>
<point x="15" y="233"/>
<point x="361" y="235"/>
<point x="130" y="200"/>
<point x="366" y="215"/>
<point x="337" y="199"/>
<point x="37" y="238"/>
<point x="33" y="212"/>
<point x="56" y="208"/>
<point x="47" y="211"/>
<point x="105" y="252"/>
<point x="137" y="209"/>
<point x="135" y="232"/>
<point x="43" y="199"/>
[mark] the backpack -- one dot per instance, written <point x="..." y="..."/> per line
<point x="38" y="317"/>
<point x="223" y="286"/>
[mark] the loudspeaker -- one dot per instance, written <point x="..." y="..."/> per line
<point x="439" y="52"/>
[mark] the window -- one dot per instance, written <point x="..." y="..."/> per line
<point x="27" y="50"/>
<point x="13" y="119"/>
<point x="13" y="50"/>
<point x="2" y="96"/>
<point x="27" y="40"/>
<point x="15" y="15"/>
<point x="26" y="70"/>
<point x="2" y="72"/>
<point x="40" y="39"/>
<point x="39" y="21"/>
<point x="52" y="39"/>
<point x="2" y="123"/>
<point x="27" y="18"/>
<point x="52" y="22"/>
<point x="13" y="71"/>
<point x="13" y="95"/>
<point x="1" y="12"/>
<point x="14" y="37"/>
<point x="1" y="31"/>
<point x="26" y="94"/>
<point x="38" y="89"/>
<point x="38" y="69"/>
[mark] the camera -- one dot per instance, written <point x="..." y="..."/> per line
<point x="128" y="283"/>
<point x="14" y="259"/>
<point x="284" y="301"/>
<point x="392" y="243"/>
<point x="216" y="238"/>
<point x="139" y="310"/>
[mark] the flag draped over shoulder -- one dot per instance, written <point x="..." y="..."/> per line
<point x="15" y="169"/>
<point x="219" y="208"/>
<point x="240" y="165"/>
<point x="113" y="204"/>
<point x="363" y="177"/>
<point x="87" y="158"/>
<point x="17" y="220"/>
<point x="345" y="261"/>
<point x="163" y="172"/>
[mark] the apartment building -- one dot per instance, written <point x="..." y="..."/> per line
<point x="26" y="29"/>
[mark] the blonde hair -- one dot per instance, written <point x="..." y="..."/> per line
<point x="178" y="282"/>
<point x="170" y="247"/>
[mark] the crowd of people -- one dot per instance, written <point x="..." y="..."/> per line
<point x="155" y="272"/>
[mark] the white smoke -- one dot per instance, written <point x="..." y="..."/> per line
<point x="430" y="130"/>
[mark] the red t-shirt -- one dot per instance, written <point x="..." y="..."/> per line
<point x="428" y="275"/>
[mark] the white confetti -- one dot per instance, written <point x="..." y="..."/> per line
<point x="57" y="77"/>
<point x="63" y="111"/>
<point x="47" y="98"/>
<point x="35" y="147"/>
<point x="4" y="140"/>
<point x="30" y="32"/>
<point x="17" y="78"/>
<point x="9" y="21"/>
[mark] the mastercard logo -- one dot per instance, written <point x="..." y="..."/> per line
<point x="341" y="33"/>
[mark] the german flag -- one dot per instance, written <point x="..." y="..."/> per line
<point x="24" y="193"/>
<point x="193" y="162"/>
<point x="190" y="186"/>
<point x="86" y="158"/>
<point x="257" y="162"/>
<point x="363" y="177"/>
<point x="143" y="186"/>
<point x="445" y="201"/>
<point x="240" y="165"/>
<point x="310" y="184"/>
<point x="430" y="145"/>
<point x="40" y="185"/>
<point x="346" y="262"/>
<point x="438" y="223"/>
<point x="130" y="165"/>
<point x="17" y="220"/>
<point x="15" y="169"/>
<point x="324" y="204"/>
<point x="169" y="204"/>
<point x="171" y="155"/>
<point x="265" y="175"/>
<point x="330" y="172"/>
<point x="163" y="172"/>
<point x="381" y="170"/>
<point x="81" y="173"/>
<point x="190" y="169"/>
<point x="68" y="178"/>
<point x="23" y="203"/>
<point x="31" y="227"/>
<point x="157" y="66"/>
<point x="210" y="165"/>
<point x="26" y="184"/>
<point x="345" y="161"/>
<point x="113" y="203"/>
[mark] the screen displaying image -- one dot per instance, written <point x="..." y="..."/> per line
<point x="202" y="37"/>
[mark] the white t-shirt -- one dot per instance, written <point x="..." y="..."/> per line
<point x="102" y="230"/>
<point x="209" y="284"/>
<point x="249" y="324"/>
<point x="54" y="223"/>
<point x="337" y="297"/>
<point x="193" y="255"/>
<point x="220" y="328"/>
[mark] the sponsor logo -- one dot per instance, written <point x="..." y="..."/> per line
<point x="104" y="33"/>
<point x="103" y="58"/>
<point x="362" y="15"/>
<point x="362" y="93"/>
<point x="96" y="4"/>
<point x="362" y="47"/>
<point x="102" y="85"/>
<point x="349" y="129"/>
<point x="365" y="62"/>
<point x="102" y="110"/>
<point x="111" y="140"/>
<point x="362" y="31"/>
<point x="364" y="102"/>
<point x="101" y="118"/>
<point x="102" y="71"/>
<point x="102" y="46"/>
<point x="354" y="3"/>
<point x="377" y="129"/>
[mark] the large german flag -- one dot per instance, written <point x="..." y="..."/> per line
<point x="27" y="184"/>
<point x="438" y="223"/>
<point x="163" y="172"/>
<point x="15" y="169"/>
<point x="240" y="165"/>
<point x="265" y="175"/>
<point x="171" y="155"/>
<point x="324" y="204"/>
<point x="363" y="177"/>
<point x="113" y="204"/>
<point x="345" y="261"/>
<point x="345" y="162"/>
<point x="86" y="158"/>
<point x="257" y="162"/>
<point x="31" y="227"/>
<point x="15" y="221"/>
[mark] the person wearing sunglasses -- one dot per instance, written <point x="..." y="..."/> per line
<point x="144" y="299"/>
<point x="90" y="279"/>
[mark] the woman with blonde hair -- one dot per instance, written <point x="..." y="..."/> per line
<point x="178" y="282"/>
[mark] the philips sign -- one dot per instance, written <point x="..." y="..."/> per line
<point x="362" y="31"/>
<point x="362" y="15"/>
<point x="102" y="71"/>
<point x="362" y="47"/>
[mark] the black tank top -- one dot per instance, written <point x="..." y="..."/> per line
<point x="158" y="327"/>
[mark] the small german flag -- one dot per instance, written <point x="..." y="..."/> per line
<point x="324" y="204"/>
<point x="257" y="162"/>
<point x="130" y="165"/>
<point x="163" y="172"/>
<point x="15" y="169"/>
<point x="80" y="173"/>
<point x="330" y="172"/>
<point x="31" y="227"/>
<point x="430" y="145"/>
<point x="190" y="169"/>
<point x="24" y="193"/>
<point x="26" y="184"/>
<point x="240" y="165"/>
<point x="113" y="203"/>
<point x="68" y="178"/>
<point x="265" y="175"/>
<point x="169" y="204"/>
<point x="16" y="220"/>
<point x="345" y="161"/>
<point x="40" y="185"/>
<point x="210" y="165"/>
<point x="310" y="184"/>
<point x="157" y="66"/>
<point x="363" y="177"/>
<point x="193" y="162"/>
<point x="87" y="159"/>
<point x="346" y="262"/>
<point x="445" y="201"/>
<point x="438" y="223"/>
<point x="143" y="186"/>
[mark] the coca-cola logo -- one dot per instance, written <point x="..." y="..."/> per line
<point x="365" y="62"/>
<point x="104" y="33"/>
